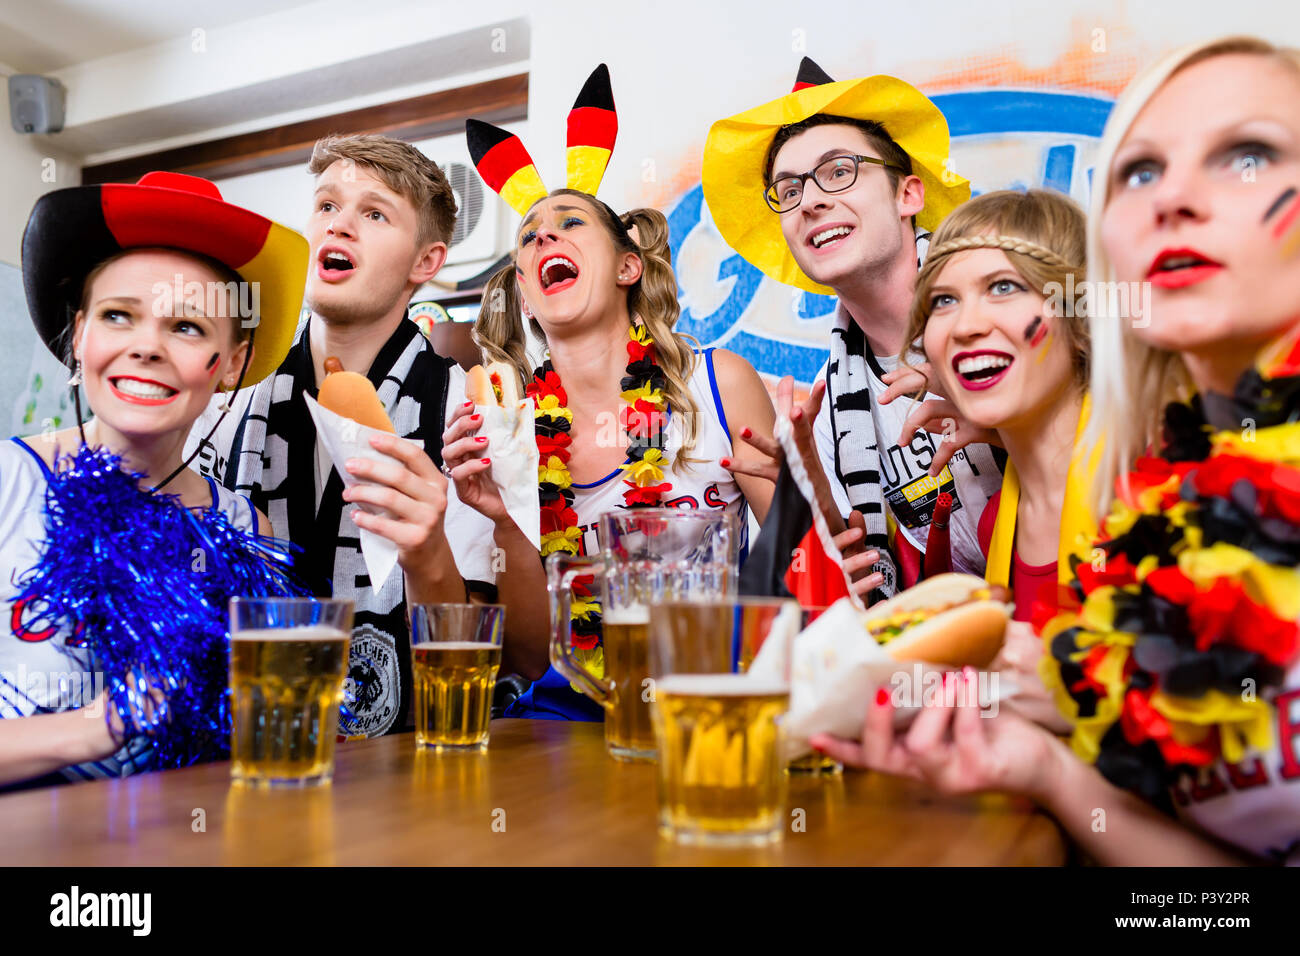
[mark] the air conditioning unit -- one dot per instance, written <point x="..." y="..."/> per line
<point x="478" y="216"/>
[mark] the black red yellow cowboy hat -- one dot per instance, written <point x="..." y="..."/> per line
<point x="736" y="147"/>
<point x="70" y="231"/>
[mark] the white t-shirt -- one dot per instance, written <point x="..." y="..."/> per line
<point x="48" y="671"/>
<point x="468" y="532"/>
<point x="972" y="475"/>
<point x="1254" y="805"/>
<point x="703" y="484"/>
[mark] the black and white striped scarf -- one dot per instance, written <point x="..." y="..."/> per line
<point x="857" y="450"/>
<point x="275" y="460"/>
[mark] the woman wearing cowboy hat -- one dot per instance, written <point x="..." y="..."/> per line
<point x="154" y="293"/>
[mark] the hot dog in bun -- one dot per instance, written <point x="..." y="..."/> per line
<point x="952" y="619"/>
<point x="351" y="395"/>
<point x="498" y="384"/>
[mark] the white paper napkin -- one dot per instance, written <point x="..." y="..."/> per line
<point x="836" y="669"/>
<point x="512" y="446"/>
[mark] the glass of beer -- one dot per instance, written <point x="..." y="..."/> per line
<point x="721" y="770"/>
<point x="647" y="555"/>
<point x="455" y="656"/>
<point x="288" y="658"/>
<point x="754" y="635"/>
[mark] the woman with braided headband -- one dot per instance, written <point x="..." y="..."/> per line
<point x="989" y="310"/>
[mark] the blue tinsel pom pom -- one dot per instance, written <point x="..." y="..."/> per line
<point x="147" y="584"/>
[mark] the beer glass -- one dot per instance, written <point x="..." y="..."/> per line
<point x="721" y="775"/>
<point x="288" y="658"/>
<point x="455" y="656"/>
<point x="647" y="554"/>
<point x="813" y="763"/>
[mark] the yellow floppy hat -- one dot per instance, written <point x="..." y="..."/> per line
<point x="736" y="147"/>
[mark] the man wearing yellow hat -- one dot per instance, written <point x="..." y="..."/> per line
<point x="833" y="188"/>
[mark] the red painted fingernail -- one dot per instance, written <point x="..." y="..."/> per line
<point x="475" y="418"/>
<point x="468" y="405"/>
<point x="725" y="462"/>
<point x="486" y="461"/>
<point x="480" y="439"/>
<point x="745" y="433"/>
<point x="882" y="697"/>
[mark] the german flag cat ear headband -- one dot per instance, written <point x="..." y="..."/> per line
<point x="505" y="165"/>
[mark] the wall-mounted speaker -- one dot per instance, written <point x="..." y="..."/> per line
<point x="36" y="103"/>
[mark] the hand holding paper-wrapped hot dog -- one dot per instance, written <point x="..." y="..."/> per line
<point x="901" y="646"/>
<point x="498" y="384"/>
<point x="490" y="447"/>
<point x="401" y="495"/>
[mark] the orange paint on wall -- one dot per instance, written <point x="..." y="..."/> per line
<point x="673" y="179"/>
<point x="1080" y="67"/>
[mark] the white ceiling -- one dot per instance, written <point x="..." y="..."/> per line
<point x="40" y="36"/>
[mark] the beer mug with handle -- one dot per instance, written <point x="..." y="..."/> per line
<point x="646" y="555"/>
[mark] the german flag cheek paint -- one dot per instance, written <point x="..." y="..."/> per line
<point x="1284" y="212"/>
<point x="1277" y="204"/>
<point x="1035" y="332"/>
<point x="212" y="363"/>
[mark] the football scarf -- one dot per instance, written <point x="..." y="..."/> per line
<point x="276" y="462"/>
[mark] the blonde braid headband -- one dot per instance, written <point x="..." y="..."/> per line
<point x="1005" y="243"/>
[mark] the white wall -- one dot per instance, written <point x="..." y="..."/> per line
<point x="30" y="165"/>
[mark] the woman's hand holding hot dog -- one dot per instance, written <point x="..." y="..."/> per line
<point x="465" y="454"/>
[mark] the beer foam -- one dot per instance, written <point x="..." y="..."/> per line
<point x="633" y="614"/>
<point x="308" y="632"/>
<point x="453" y="645"/>
<point x="719" y="685"/>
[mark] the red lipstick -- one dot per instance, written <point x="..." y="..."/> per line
<point x="986" y="376"/>
<point x="1179" y="268"/>
<point x="140" y="399"/>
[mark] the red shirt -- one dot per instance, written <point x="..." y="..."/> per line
<point x="1027" y="580"/>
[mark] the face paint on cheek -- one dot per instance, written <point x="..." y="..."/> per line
<point x="1035" y="332"/>
<point x="1278" y="203"/>
<point x="1047" y="347"/>
<point x="212" y="364"/>
<point x="1286" y="229"/>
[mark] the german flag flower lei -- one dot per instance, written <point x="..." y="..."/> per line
<point x="1166" y="653"/>
<point x="644" y="419"/>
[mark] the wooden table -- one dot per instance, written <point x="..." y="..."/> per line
<point x="544" y="794"/>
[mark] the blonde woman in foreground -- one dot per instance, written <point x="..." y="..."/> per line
<point x="1178" y="663"/>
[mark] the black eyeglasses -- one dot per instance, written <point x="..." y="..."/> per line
<point x="833" y="176"/>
